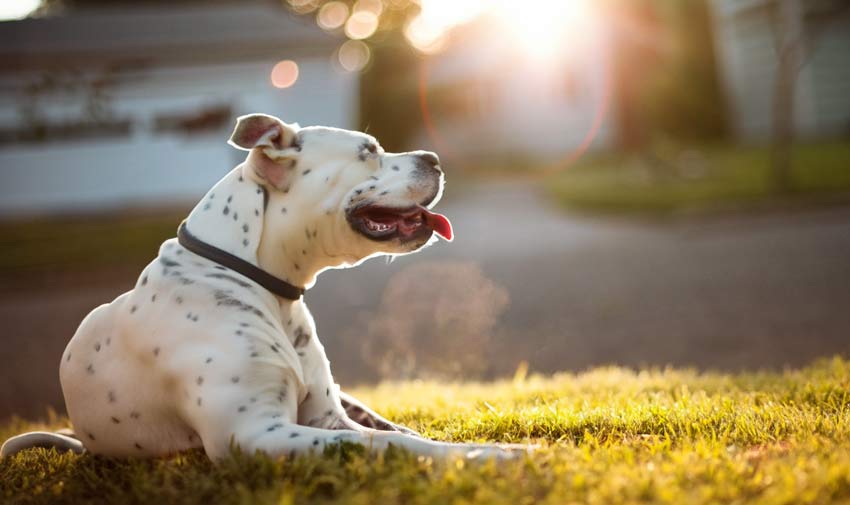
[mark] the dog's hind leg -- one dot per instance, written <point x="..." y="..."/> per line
<point x="364" y="416"/>
<point x="43" y="439"/>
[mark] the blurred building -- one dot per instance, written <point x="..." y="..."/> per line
<point x="748" y="34"/>
<point x="132" y="104"/>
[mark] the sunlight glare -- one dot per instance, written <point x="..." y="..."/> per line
<point x="541" y="27"/>
<point x="11" y="10"/>
<point x="544" y="27"/>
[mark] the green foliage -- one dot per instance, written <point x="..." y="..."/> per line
<point x="675" y="180"/>
<point x="606" y="436"/>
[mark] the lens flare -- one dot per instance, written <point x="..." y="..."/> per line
<point x="332" y="15"/>
<point x="284" y="74"/>
<point x="361" y="25"/>
<point x="354" y="55"/>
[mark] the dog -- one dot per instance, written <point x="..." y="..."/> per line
<point x="214" y="346"/>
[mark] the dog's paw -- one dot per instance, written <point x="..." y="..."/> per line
<point x="498" y="451"/>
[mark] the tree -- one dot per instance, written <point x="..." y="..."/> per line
<point x="798" y="26"/>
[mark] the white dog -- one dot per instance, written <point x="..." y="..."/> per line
<point x="214" y="346"/>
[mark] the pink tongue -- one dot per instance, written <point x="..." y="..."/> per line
<point x="439" y="223"/>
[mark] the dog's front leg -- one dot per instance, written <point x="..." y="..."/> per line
<point x="322" y="407"/>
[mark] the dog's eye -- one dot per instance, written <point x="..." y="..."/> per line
<point x="368" y="150"/>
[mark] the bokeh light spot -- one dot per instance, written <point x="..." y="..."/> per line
<point x="361" y="25"/>
<point x="376" y="7"/>
<point x="332" y="15"/>
<point x="303" y="6"/>
<point x="284" y="74"/>
<point x="354" y="55"/>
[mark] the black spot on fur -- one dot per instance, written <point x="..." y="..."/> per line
<point x="230" y="278"/>
<point x="208" y="361"/>
<point x="315" y="441"/>
<point x="69" y="357"/>
<point x="245" y="227"/>
<point x="242" y="408"/>
<point x="224" y="299"/>
<point x="302" y="337"/>
<point x="199" y="401"/>
<point x="144" y="280"/>
<point x="90" y="435"/>
<point x="138" y="446"/>
<point x="306" y="171"/>
<point x="359" y="192"/>
<point x="371" y="187"/>
<point x="229" y="198"/>
<point x="207" y="206"/>
<point x="179" y="300"/>
<point x="90" y="369"/>
<point x="199" y="381"/>
<point x="283" y="210"/>
<point x="241" y="179"/>
<point x="255" y="354"/>
<point x="133" y="309"/>
<point x="115" y="420"/>
<point x="273" y="348"/>
<point x="226" y="210"/>
<point x="373" y="178"/>
<point x="245" y="242"/>
<point x="111" y="397"/>
<point x="168" y="262"/>
<point x="274" y="427"/>
<point x="97" y="347"/>
<point x="156" y="351"/>
<point x="153" y="298"/>
<point x="296" y="266"/>
<point x="327" y="391"/>
<point x="235" y="216"/>
<point x="135" y="415"/>
<point x="395" y="168"/>
<point x="257" y="212"/>
<point x="108" y="340"/>
<point x="234" y="379"/>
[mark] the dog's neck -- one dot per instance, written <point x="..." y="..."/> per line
<point x="235" y="216"/>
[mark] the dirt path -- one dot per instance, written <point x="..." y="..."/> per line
<point x="524" y="281"/>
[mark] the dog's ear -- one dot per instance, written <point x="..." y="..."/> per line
<point x="276" y="142"/>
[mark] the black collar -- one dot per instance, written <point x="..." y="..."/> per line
<point x="277" y="286"/>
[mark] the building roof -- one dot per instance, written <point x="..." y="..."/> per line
<point x="176" y="33"/>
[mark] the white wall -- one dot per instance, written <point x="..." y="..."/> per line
<point x="746" y="45"/>
<point x="155" y="168"/>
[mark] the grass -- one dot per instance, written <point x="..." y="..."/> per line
<point x="607" y="436"/>
<point x="711" y="178"/>
<point x="47" y="245"/>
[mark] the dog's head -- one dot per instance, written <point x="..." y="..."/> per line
<point x="342" y="185"/>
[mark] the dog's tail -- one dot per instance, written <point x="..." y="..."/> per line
<point x="63" y="440"/>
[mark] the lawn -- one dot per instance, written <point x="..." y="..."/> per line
<point x="702" y="179"/>
<point x="606" y="436"/>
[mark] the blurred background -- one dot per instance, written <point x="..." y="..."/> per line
<point x="633" y="182"/>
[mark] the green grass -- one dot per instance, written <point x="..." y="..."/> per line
<point x="710" y="178"/>
<point x="607" y="436"/>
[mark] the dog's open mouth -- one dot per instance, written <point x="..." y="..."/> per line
<point x="384" y="223"/>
